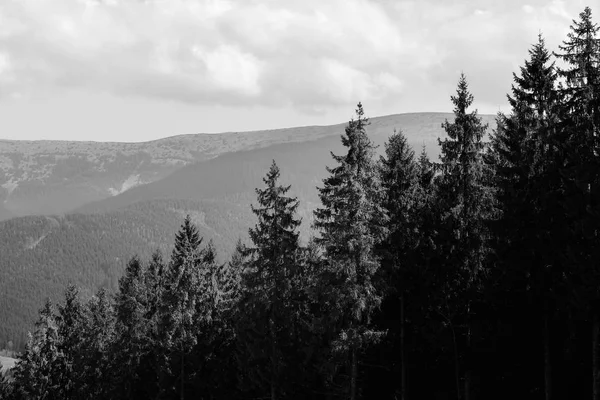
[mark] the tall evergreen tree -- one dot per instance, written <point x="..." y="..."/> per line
<point x="581" y="120"/>
<point x="527" y="164"/>
<point x="131" y="344"/>
<point x="351" y="223"/>
<point x="267" y="284"/>
<point x="187" y="241"/>
<point x="179" y="302"/>
<point x="425" y="170"/>
<point x="399" y="174"/>
<point x="96" y="347"/>
<point x="467" y="203"/>
<point x="36" y="374"/>
<point x="399" y="179"/>
<point x="72" y="324"/>
<point x="212" y="364"/>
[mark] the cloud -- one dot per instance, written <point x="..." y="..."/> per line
<point x="307" y="54"/>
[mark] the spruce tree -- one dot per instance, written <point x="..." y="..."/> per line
<point x="130" y="347"/>
<point x="97" y="341"/>
<point x="581" y="121"/>
<point x="527" y="162"/>
<point x="467" y="203"/>
<point x="72" y="324"/>
<point x="267" y="312"/>
<point x="581" y="53"/>
<point x="36" y="374"/>
<point x="233" y="277"/>
<point x="351" y="223"/>
<point x="178" y="312"/>
<point x="187" y="241"/>
<point x="399" y="179"/>
<point x="399" y="174"/>
<point x="212" y="366"/>
<point x="425" y="170"/>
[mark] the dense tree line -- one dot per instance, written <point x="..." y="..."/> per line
<point x="472" y="277"/>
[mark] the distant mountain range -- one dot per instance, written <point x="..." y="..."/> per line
<point x="83" y="209"/>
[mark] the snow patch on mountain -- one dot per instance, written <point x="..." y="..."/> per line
<point x="10" y="186"/>
<point x="133" y="181"/>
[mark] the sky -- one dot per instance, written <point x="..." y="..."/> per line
<point x="138" y="70"/>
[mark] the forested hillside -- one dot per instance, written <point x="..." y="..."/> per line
<point x="40" y="255"/>
<point x="472" y="277"/>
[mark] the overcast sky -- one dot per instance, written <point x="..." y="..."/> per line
<point x="136" y="70"/>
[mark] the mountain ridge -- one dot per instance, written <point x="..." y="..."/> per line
<point x="57" y="177"/>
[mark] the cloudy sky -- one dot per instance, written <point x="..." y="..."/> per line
<point x="135" y="70"/>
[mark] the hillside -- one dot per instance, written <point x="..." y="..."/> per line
<point x="55" y="177"/>
<point x="52" y="177"/>
<point x="41" y="255"/>
<point x="234" y="176"/>
<point x="90" y="247"/>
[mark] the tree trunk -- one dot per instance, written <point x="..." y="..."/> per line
<point x="353" y="373"/>
<point x="547" y="364"/>
<point x="402" y="352"/>
<point x="273" y="360"/>
<point x="468" y="361"/>
<point x="595" y="354"/>
<point x="456" y="364"/>
<point x="181" y="396"/>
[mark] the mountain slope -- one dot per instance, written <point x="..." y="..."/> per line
<point x="50" y="177"/>
<point x="41" y="255"/>
<point x="55" y="177"/>
<point x="234" y="176"/>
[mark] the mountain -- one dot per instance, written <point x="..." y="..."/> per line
<point x="234" y="176"/>
<point x="89" y="247"/>
<point x="54" y="177"/>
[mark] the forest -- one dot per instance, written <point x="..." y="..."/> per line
<point x="473" y="277"/>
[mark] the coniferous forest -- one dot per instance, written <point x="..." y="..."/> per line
<point x="476" y="276"/>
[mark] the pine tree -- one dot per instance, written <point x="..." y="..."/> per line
<point x="425" y="170"/>
<point x="272" y="262"/>
<point x="97" y="341"/>
<point x="467" y="204"/>
<point x="72" y="325"/>
<point x="399" y="174"/>
<point x="526" y="160"/>
<point x="129" y="330"/>
<point x="212" y="361"/>
<point x="179" y="301"/>
<point x="36" y="373"/>
<point x="351" y="223"/>
<point x="581" y="53"/>
<point x="581" y="121"/>
<point x="187" y="240"/>
<point x="233" y="277"/>
<point x="399" y="179"/>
